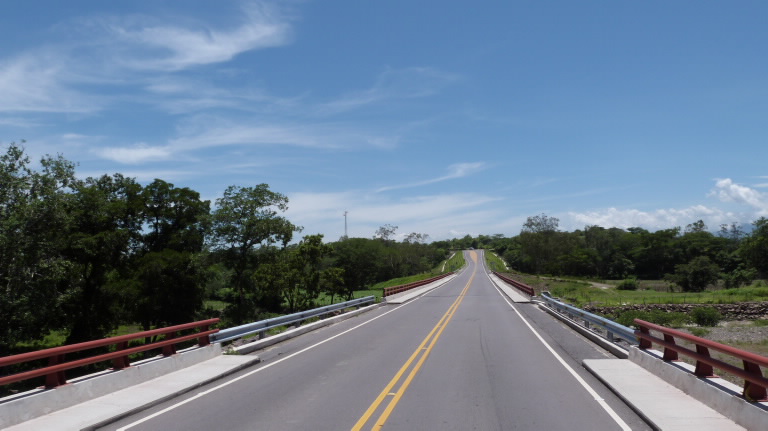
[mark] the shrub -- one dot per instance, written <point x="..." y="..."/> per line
<point x="706" y="316"/>
<point x="659" y="317"/>
<point x="628" y="284"/>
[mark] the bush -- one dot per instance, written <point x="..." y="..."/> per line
<point x="628" y="284"/>
<point x="706" y="316"/>
<point x="659" y="317"/>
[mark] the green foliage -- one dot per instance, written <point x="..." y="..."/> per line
<point x="706" y="316"/>
<point x="695" y="275"/>
<point x="660" y="317"/>
<point x="628" y="284"/>
<point x="754" y="248"/>
<point x="246" y="224"/>
<point x="455" y="263"/>
<point x="494" y="262"/>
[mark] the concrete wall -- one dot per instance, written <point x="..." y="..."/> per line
<point x="29" y="405"/>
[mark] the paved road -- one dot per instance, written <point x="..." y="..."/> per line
<point x="458" y="358"/>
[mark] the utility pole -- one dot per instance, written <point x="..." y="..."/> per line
<point x="345" y="225"/>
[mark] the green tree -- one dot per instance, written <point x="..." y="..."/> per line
<point x="696" y="275"/>
<point x="169" y="272"/>
<point x="754" y="248"/>
<point x="106" y="231"/>
<point x="34" y="225"/>
<point x="247" y="219"/>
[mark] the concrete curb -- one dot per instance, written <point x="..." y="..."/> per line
<point x="31" y="404"/>
<point x="291" y="333"/>
<point x="719" y="394"/>
<point x="659" y="403"/>
<point x="116" y="405"/>
<point x="151" y="403"/>
<point x="616" y="350"/>
<point x="510" y="292"/>
<point x="412" y="294"/>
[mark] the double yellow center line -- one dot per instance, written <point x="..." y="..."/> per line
<point x="421" y="354"/>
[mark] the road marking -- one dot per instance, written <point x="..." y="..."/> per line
<point x="573" y="372"/>
<point x="229" y="382"/>
<point x="430" y="339"/>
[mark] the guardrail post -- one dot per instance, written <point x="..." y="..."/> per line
<point x="171" y="348"/>
<point x="645" y="343"/>
<point x="753" y="391"/>
<point x="703" y="369"/>
<point x="204" y="340"/>
<point x="609" y="336"/>
<point x="122" y="361"/>
<point x="669" y="354"/>
<point x="56" y="378"/>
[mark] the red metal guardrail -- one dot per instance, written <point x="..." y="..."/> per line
<point x="754" y="383"/>
<point x="54" y="372"/>
<point x="528" y="290"/>
<point x="403" y="287"/>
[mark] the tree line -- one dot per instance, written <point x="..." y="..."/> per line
<point x="691" y="258"/>
<point x="83" y="256"/>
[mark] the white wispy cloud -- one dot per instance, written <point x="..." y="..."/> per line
<point x="435" y="215"/>
<point x="41" y="82"/>
<point x="458" y="170"/>
<point x="175" y="47"/>
<point x="135" y="154"/>
<point x="407" y="83"/>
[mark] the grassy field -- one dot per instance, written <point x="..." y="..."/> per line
<point x="454" y="263"/>
<point x="581" y="293"/>
<point x="494" y="262"/>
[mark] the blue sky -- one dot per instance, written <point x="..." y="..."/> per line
<point x="444" y="118"/>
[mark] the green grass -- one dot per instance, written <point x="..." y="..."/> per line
<point x="215" y="305"/>
<point x="494" y="262"/>
<point x="455" y="263"/>
<point x="582" y="293"/>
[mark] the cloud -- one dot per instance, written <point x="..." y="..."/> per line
<point x="728" y="191"/>
<point x="435" y="215"/>
<point x="139" y="153"/>
<point x="458" y="170"/>
<point x="41" y="82"/>
<point x="656" y="219"/>
<point x="408" y="83"/>
<point x="176" y="48"/>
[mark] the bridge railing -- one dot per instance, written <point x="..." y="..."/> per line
<point x="613" y="330"/>
<point x="262" y="326"/>
<point x="402" y="288"/>
<point x="528" y="290"/>
<point x="754" y="383"/>
<point x="57" y="364"/>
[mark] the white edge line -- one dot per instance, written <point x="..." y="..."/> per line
<point x="229" y="382"/>
<point x="573" y="372"/>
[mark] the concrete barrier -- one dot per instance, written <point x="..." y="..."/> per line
<point x="28" y="405"/>
<point x="719" y="394"/>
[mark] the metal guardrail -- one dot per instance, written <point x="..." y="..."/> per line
<point x="528" y="290"/>
<point x="755" y="385"/>
<point x="262" y="326"/>
<point x="613" y="330"/>
<point x="403" y="287"/>
<point x="57" y="363"/>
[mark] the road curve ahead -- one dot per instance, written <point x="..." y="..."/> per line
<point x="460" y="357"/>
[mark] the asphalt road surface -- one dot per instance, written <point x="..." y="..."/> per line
<point x="460" y="357"/>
